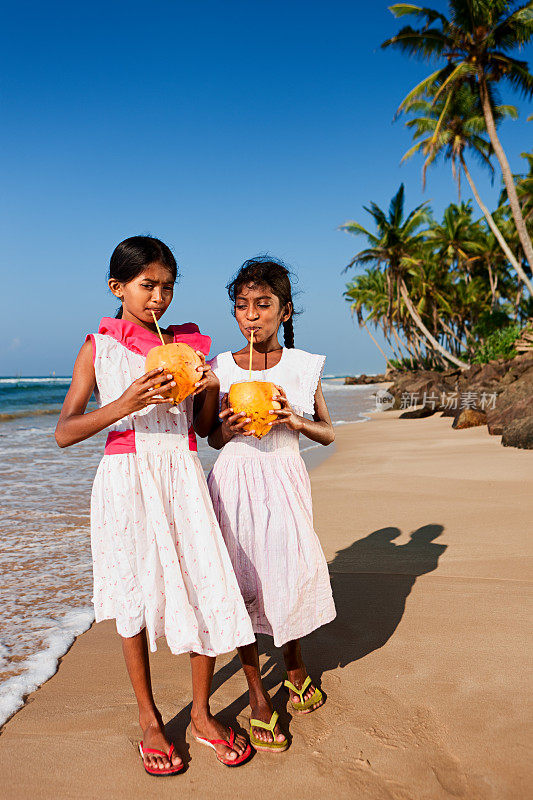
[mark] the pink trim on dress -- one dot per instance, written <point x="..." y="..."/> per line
<point x="140" y="340"/>
<point x="120" y="442"/>
<point x="192" y="440"/>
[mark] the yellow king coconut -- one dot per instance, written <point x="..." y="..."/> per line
<point x="255" y="398"/>
<point x="180" y="360"/>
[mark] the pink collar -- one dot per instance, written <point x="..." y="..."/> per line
<point x="140" y="340"/>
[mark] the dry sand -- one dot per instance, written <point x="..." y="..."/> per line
<point x="425" y="667"/>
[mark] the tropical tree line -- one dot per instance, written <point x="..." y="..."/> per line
<point x="437" y="288"/>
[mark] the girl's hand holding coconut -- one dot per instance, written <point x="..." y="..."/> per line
<point x="147" y="390"/>
<point x="286" y="415"/>
<point x="232" y="423"/>
<point x="208" y="381"/>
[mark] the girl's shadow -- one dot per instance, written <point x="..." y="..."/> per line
<point x="371" y="580"/>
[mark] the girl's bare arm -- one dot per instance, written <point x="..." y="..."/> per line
<point x="75" y="425"/>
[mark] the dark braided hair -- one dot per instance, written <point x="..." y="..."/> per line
<point x="267" y="271"/>
<point x="133" y="255"/>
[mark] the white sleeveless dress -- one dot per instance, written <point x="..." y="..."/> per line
<point x="159" y="560"/>
<point x="261" y="494"/>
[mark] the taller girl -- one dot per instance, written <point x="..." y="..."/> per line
<point x="261" y="491"/>
<point x="160" y="564"/>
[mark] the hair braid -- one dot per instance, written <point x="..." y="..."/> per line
<point x="288" y="333"/>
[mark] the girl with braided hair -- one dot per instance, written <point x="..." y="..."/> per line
<point x="261" y="491"/>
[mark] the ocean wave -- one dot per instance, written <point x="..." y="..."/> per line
<point x="40" y="666"/>
<point x="341" y="387"/>
<point x="62" y="381"/>
<point x="362" y="414"/>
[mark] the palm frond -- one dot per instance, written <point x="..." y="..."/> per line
<point x="425" y="45"/>
<point x="355" y="228"/>
<point x="516" y="29"/>
<point x="408" y="9"/>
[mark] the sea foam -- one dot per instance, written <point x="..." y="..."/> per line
<point x="40" y="666"/>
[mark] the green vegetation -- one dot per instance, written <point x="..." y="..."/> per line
<point x="456" y="290"/>
<point x="500" y="344"/>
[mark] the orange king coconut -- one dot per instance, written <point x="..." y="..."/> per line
<point x="180" y="360"/>
<point x="255" y="398"/>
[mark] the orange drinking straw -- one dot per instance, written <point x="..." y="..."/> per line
<point x="251" y="345"/>
<point x="157" y="326"/>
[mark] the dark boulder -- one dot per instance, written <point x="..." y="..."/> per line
<point x="355" y="380"/>
<point x="519" y="433"/>
<point x="517" y="368"/>
<point x="418" y="413"/>
<point x="514" y="401"/>
<point x="501" y="416"/>
<point x="421" y="388"/>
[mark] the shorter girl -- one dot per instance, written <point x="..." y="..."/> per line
<point x="160" y="565"/>
<point x="262" y="496"/>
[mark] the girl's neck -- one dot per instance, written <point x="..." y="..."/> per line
<point x="260" y="354"/>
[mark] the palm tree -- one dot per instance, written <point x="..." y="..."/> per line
<point x="450" y="127"/>
<point x="474" y="43"/>
<point x="396" y="246"/>
<point x="455" y="240"/>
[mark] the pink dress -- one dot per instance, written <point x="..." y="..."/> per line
<point x="262" y="498"/>
<point x="159" y="560"/>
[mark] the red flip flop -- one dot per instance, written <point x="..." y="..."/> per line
<point x="212" y="742"/>
<point x="172" y="770"/>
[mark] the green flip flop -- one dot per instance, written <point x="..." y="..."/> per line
<point x="276" y="747"/>
<point x="305" y="706"/>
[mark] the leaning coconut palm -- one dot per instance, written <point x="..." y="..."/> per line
<point x="474" y="43"/>
<point x="451" y="127"/>
<point x="396" y="247"/>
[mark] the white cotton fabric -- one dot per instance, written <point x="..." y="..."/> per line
<point x="261" y="494"/>
<point x="159" y="559"/>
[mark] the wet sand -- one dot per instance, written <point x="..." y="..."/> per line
<point x="426" y="667"/>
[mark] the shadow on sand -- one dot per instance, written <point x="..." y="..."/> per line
<point x="371" y="580"/>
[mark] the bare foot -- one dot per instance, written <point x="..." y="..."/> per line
<point x="154" y="738"/>
<point x="207" y="727"/>
<point x="261" y="707"/>
<point x="297" y="677"/>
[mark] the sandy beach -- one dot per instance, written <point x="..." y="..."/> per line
<point x="426" y="668"/>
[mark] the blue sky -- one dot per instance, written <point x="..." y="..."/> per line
<point x="225" y="128"/>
